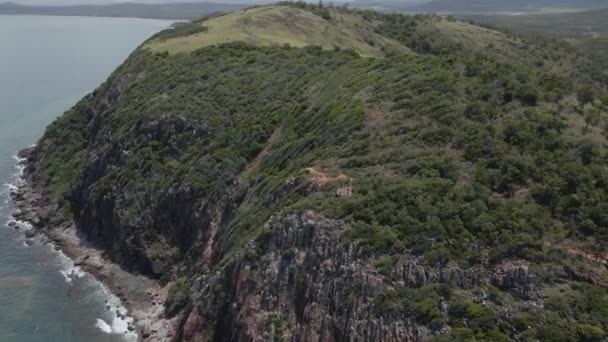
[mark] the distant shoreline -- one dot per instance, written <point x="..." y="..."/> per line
<point x="171" y="22"/>
<point x="178" y="11"/>
<point x="176" y="20"/>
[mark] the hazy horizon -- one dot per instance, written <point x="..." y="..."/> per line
<point x="108" y="2"/>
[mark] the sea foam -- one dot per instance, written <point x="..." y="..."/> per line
<point x="117" y="313"/>
<point x="119" y="321"/>
<point x="15" y="180"/>
<point x="103" y="326"/>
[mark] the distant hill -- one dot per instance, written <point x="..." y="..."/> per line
<point x="587" y="23"/>
<point x="587" y="30"/>
<point x="134" y="10"/>
<point x="484" y="6"/>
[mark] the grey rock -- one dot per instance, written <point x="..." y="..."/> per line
<point x="81" y="260"/>
<point x="515" y="277"/>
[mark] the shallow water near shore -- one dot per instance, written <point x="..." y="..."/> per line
<point x="46" y="65"/>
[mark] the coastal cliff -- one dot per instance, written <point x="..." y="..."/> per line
<point x="406" y="179"/>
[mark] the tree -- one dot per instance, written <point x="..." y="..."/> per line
<point x="592" y="117"/>
<point x="528" y="95"/>
<point x="585" y="95"/>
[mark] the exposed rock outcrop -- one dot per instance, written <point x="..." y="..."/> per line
<point x="302" y="284"/>
<point x="516" y="278"/>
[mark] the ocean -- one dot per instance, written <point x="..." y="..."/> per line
<point x="46" y="65"/>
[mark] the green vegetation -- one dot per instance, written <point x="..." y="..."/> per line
<point x="178" y="296"/>
<point x="277" y="325"/>
<point x="478" y="318"/>
<point x="572" y="312"/>
<point x="587" y="30"/>
<point x="422" y="303"/>
<point x="463" y="146"/>
<point x="63" y="163"/>
<point x="587" y="23"/>
<point x="501" y="6"/>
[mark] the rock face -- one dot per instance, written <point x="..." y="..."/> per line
<point x="304" y="284"/>
<point x="516" y="278"/>
<point x="300" y="285"/>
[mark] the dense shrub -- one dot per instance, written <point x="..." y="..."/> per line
<point x="178" y="296"/>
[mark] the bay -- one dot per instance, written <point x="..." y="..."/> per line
<point x="46" y="65"/>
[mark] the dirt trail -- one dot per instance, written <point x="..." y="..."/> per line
<point x="589" y="256"/>
<point x="322" y="178"/>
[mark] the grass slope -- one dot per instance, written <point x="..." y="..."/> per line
<point x="279" y="25"/>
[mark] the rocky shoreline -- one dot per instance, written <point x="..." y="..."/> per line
<point x="142" y="297"/>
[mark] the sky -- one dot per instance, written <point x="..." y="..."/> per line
<point x="80" y="2"/>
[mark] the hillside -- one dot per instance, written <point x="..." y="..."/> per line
<point x="578" y="24"/>
<point x="493" y="6"/>
<point x="305" y="173"/>
<point x="587" y="30"/>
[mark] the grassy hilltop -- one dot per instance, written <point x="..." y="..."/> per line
<point x="279" y="25"/>
<point x="309" y="171"/>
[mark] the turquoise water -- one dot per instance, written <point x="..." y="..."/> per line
<point x="46" y="65"/>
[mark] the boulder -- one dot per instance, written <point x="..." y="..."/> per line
<point x="81" y="260"/>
